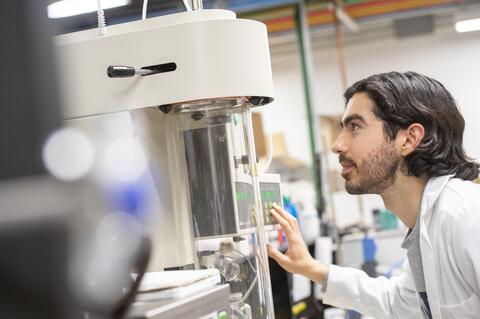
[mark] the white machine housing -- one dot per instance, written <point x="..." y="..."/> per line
<point x="210" y="63"/>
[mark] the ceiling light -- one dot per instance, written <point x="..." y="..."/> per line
<point x="67" y="8"/>
<point x="468" y="25"/>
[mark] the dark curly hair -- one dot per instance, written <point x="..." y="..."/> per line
<point x="402" y="99"/>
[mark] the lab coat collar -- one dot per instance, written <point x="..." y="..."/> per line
<point x="434" y="187"/>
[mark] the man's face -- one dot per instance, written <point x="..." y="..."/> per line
<point x="369" y="159"/>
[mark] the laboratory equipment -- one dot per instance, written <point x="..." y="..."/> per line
<point x="183" y="87"/>
<point x="191" y="307"/>
<point x="239" y="309"/>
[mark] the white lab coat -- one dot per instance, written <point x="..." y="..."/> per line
<point x="450" y="246"/>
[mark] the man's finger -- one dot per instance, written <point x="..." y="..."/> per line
<point x="278" y="214"/>
<point x="291" y="220"/>
<point x="287" y="228"/>
<point x="280" y="258"/>
<point x="282" y="212"/>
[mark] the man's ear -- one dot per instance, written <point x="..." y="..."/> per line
<point x="411" y="137"/>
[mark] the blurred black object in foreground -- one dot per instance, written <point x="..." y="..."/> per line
<point x="33" y="252"/>
<point x="29" y="106"/>
<point x="40" y="216"/>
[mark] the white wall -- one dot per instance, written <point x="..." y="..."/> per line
<point x="451" y="58"/>
<point x="288" y="113"/>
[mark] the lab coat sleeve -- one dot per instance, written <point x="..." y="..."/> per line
<point x="466" y="231"/>
<point x="350" y="288"/>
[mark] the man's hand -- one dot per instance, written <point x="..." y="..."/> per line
<point x="297" y="259"/>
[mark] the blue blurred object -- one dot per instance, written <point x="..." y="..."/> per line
<point x="395" y="265"/>
<point x="369" y="249"/>
<point x="352" y="314"/>
<point x="290" y="207"/>
<point x="130" y="198"/>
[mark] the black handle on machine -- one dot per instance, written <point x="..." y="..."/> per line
<point x="117" y="71"/>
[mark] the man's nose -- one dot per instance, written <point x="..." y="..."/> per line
<point x="340" y="145"/>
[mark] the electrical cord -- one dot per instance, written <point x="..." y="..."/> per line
<point x="246" y="257"/>
<point x="269" y="154"/>
<point x="249" y="290"/>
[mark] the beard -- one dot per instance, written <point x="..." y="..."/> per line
<point x="377" y="172"/>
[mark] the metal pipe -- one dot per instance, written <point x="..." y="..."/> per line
<point x="303" y="40"/>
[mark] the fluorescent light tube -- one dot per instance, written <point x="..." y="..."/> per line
<point x="468" y="25"/>
<point x="67" y="8"/>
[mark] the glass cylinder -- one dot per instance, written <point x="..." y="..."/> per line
<point x="212" y="142"/>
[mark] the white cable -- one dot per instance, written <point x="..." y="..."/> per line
<point x="269" y="154"/>
<point x="187" y="5"/>
<point x="144" y="10"/>
<point x="102" y="26"/>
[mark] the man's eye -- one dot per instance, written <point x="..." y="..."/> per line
<point x="355" y="127"/>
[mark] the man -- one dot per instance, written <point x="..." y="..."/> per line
<point x="402" y="138"/>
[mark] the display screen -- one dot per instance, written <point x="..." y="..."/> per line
<point x="270" y="194"/>
<point x="245" y="203"/>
